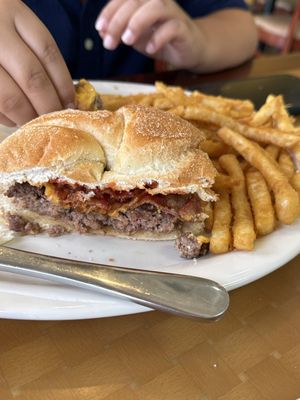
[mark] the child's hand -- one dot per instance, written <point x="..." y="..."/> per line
<point x="157" y="28"/>
<point x="33" y="76"/>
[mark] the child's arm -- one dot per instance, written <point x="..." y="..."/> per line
<point x="163" y="30"/>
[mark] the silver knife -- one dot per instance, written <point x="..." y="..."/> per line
<point x="178" y="294"/>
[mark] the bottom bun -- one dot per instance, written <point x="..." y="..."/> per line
<point x="143" y="235"/>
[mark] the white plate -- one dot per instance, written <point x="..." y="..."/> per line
<point x="28" y="298"/>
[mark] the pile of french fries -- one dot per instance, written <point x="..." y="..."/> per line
<point x="256" y="154"/>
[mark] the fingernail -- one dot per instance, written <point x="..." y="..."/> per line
<point x="101" y="24"/>
<point x="109" y="42"/>
<point x="70" y="105"/>
<point x="150" y="48"/>
<point x="128" y="37"/>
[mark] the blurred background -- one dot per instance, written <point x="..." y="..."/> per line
<point x="278" y="25"/>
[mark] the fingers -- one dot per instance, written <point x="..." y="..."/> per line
<point x="107" y="13"/>
<point x="129" y="21"/>
<point x="143" y="19"/>
<point x="164" y="34"/>
<point x="45" y="49"/>
<point x="15" y="108"/>
<point x="158" y="28"/>
<point x="118" y="23"/>
<point x="32" y="77"/>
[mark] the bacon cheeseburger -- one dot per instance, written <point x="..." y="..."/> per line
<point x="134" y="173"/>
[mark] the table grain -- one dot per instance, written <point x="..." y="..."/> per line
<point x="252" y="353"/>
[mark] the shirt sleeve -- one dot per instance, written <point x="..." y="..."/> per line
<point x="200" y="8"/>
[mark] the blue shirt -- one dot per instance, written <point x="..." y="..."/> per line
<point x="72" y="23"/>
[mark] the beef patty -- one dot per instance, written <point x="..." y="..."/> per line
<point x="146" y="217"/>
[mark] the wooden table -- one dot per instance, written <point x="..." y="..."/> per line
<point x="261" y="66"/>
<point x="251" y="354"/>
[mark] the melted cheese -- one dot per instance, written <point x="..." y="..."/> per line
<point x="50" y="193"/>
<point x="202" y="239"/>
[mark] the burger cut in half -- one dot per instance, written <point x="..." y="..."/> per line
<point x="134" y="173"/>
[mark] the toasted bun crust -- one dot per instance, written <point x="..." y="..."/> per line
<point x="37" y="154"/>
<point x="105" y="126"/>
<point x="129" y="148"/>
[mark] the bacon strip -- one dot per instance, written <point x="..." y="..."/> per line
<point x="110" y="202"/>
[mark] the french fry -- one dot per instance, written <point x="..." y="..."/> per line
<point x="264" y="114"/>
<point x="243" y="225"/>
<point x="215" y="149"/>
<point x="295" y="182"/>
<point x="286" y="198"/>
<point x="286" y="164"/>
<point x="217" y="165"/>
<point x="220" y="241"/>
<point x="113" y="102"/>
<point x="241" y="115"/>
<point x="244" y="165"/>
<point x="163" y="103"/>
<point x="147" y="100"/>
<point x="210" y="130"/>
<point x="281" y="118"/>
<point x="86" y="97"/>
<point x="174" y="94"/>
<point x="261" y="203"/>
<point x="294" y="153"/>
<point x="233" y="107"/>
<point x="260" y="134"/>
<point x="224" y="183"/>
<point x="273" y="151"/>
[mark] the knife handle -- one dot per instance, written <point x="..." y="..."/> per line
<point x="182" y="295"/>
